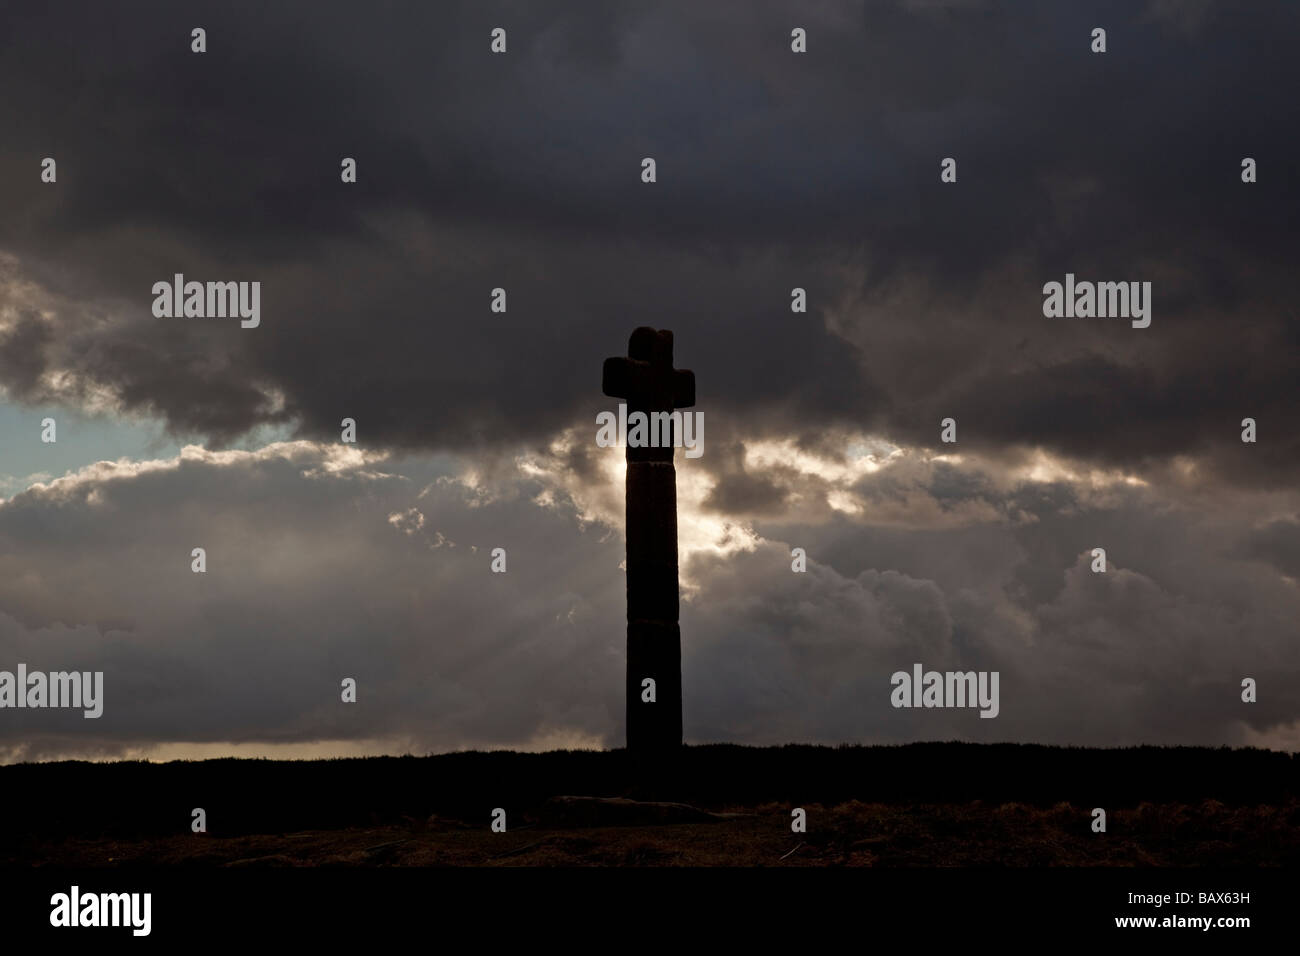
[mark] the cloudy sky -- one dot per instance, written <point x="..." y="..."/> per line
<point x="476" y="429"/>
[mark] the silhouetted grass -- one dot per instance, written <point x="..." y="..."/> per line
<point x="51" y="801"/>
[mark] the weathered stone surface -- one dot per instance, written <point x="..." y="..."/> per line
<point x="647" y="381"/>
<point x="654" y="650"/>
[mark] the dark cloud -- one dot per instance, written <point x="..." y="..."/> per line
<point x="22" y="355"/>
<point x="775" y="170"/>
<point x="317" y="569"/>
<point x="1278" y="543"/>
<point x="321" y="566"/>
<point x="521" y="171"/>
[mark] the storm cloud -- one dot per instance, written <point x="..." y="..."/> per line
<point x="322" y="565"/>
<point x="774" y="171"/>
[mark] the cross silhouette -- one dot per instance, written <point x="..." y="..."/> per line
<point x="646" y="377"/>
<point x="648" y="382"/>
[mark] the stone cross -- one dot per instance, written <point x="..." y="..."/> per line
<point x="648" y="382"/>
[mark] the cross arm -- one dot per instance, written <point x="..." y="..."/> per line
<point x="683" y="388"/>
<point x="631" y="379"/>
<point x="620" y="377"/>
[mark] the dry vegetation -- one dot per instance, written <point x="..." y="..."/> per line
<point x="932" y="804"/>
<point x="849" y="834"/>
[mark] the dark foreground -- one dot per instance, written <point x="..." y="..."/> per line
<point x="853" y="834"/>
<point x="921" y="805"/>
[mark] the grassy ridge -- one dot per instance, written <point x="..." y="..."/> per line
<point x="82" y="799"/>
